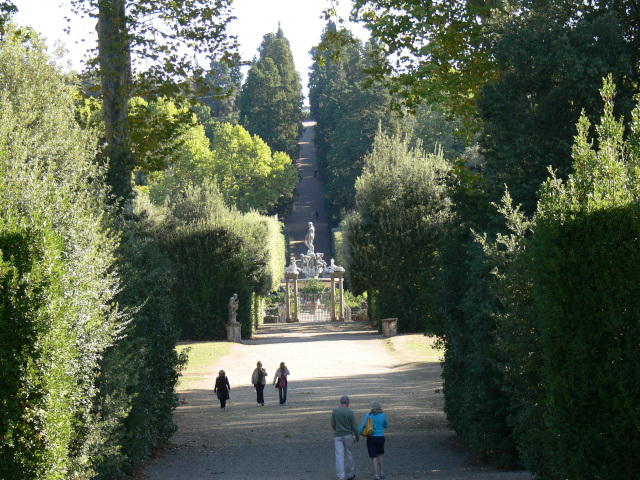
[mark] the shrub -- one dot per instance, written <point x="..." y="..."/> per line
<point x="57" y="255"/>
<point x="394" y="238"/>
<point x="585" y="252"/>
<point x="216" y="252"/>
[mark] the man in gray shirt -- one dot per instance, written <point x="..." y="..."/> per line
<point x="343" y="422"/>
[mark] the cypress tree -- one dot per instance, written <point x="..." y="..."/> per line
<point x="271" y="100"/>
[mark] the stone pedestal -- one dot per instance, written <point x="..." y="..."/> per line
<point x="389" y="327"/>
<point x="233" y="332"/>
<point x="291" y="278"/>
<point x="339" y="278"/>
<point x="271" y="319"/>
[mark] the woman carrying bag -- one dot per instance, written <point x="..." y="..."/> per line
<point x="375" y="442"/>
<point x="281" y="382"/>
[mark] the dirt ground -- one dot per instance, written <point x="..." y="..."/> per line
<point x="294" y="441"/>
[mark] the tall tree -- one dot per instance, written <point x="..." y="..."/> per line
<point x="225" y="83"/>
<point x="271" y="99"/>
<point x="157" y="31"/>
<point x="348" y="118"/>
<point x="551" y="63"/>
<point x="393" y="239"/>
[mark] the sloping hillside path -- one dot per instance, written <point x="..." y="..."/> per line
<point x="294" y="441"/>
<point x="310" y="200"/>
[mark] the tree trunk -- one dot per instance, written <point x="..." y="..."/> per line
<point x="115" y="74"/>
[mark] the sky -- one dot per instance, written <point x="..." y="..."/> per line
<point x="300" y="20"/>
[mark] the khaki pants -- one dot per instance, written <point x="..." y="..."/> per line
<point x="345" y="466"/>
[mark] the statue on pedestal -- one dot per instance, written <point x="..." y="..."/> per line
<point x="233" y="308"/>
<point x="292" y="268"/>
<point x="308" y="240"/>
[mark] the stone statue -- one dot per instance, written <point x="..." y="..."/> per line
<point x="292" y="268"/>
<point x="334" y="268"/>
<point x="308" y="240"/>
<point x="233" y="308"/>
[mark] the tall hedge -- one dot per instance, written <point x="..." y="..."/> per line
<point x="216" y="252"/>
<point x="585" y="254"/>
<point x="139" y="373"/>
<point x="393" y="240"/>
<point x="57" y="278"/>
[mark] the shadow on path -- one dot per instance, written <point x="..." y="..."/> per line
<point x="295" y="441"/>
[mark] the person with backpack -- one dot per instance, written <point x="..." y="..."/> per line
<point x="375" y="442"/>
<point x="280" y="381"/>
<point x="259" y="380"/>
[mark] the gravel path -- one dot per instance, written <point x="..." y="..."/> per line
<point x="310" y="200"/>
<point x="294" y="441"/>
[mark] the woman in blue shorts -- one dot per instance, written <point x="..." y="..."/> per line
<point x="375" y="443"/>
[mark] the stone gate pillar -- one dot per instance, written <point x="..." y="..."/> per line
<point x="341" y="282"/>
<point x="337" y="275"/>
<point x="291" y="278"/>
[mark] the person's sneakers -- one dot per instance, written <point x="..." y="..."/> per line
<point x="351" y="478"/>
<point x="382" y="476"/>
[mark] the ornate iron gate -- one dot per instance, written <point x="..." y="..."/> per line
<point x="314" y="307"/>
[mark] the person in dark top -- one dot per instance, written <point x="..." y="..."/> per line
<point x="222" y="389"/>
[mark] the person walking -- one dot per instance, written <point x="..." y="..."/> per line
<point x="222" y="389"/>
<point x="259" y="380"/>
<point x="375" y="443"/>
<point x="343" y="422"/>
<point x="280" y="381"/>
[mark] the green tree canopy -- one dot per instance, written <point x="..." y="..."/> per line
<point x="248" y="175"/>
<point x="394" y="237"/>
<point x="271" y="99"/>
<point x="157" y="32"/>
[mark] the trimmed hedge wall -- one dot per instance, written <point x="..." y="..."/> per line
<point x="587" y="290"/>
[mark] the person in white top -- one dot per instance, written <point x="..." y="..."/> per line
<point x="280" y="381"/>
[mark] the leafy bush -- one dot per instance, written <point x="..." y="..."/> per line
<point x="394" y="238"/>
<point x="586" y="287"/>
<point x="57" y="255"/>
<point x="216" y="252"/>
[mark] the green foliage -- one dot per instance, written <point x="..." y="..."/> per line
<point x="140" y="373"/>
<point x="271" y="99"/>
<point x="215" y="252"/>
<point x="313" y="285"/>
<point x="546" y="367"/>
<point x="348" y="118"/>
<point x="551" y="69"/>
<point x="168" y="36"/>
<point x="171" y="70"/>
<point x="585" y="286"/>
<point x="393" y="240"/>
<point x="56" y="271"/>
<point x="158" y="129"/>
<point x="511" y="348"/>
<point x="429" y="51"/>
<point x="225" y="84"/>
<point x="245" y="171"/>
